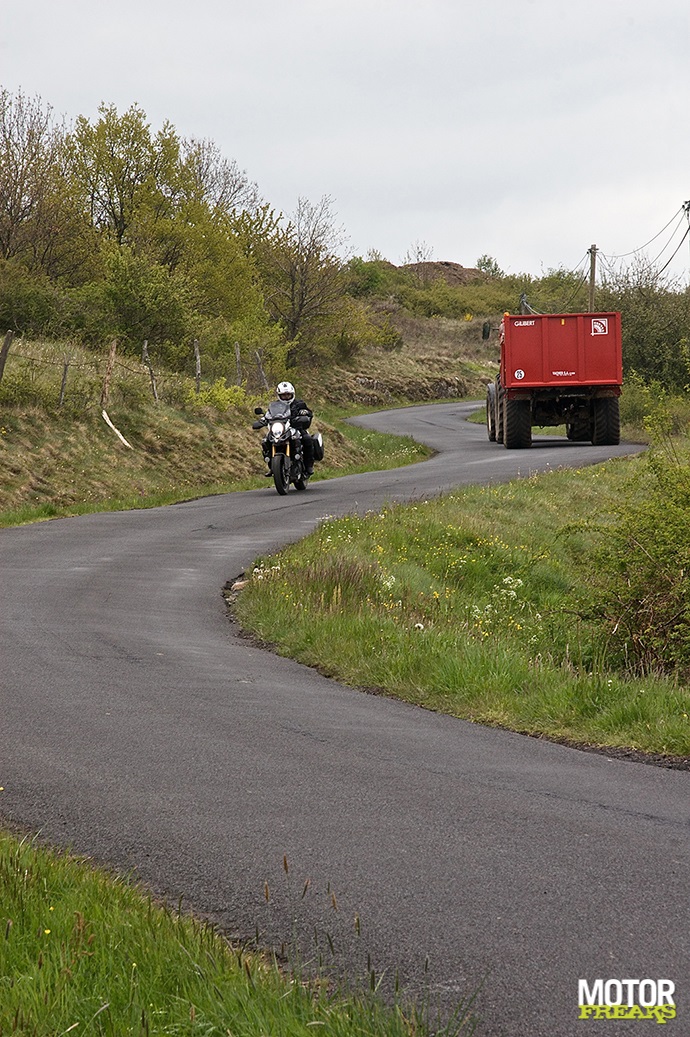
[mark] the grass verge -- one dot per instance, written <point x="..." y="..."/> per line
<point x="478" y="604"/>
<point x="85" y="953"/>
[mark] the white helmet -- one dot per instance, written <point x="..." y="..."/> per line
<point x="286" y="392"/>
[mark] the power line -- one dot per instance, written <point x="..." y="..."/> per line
<point x="677" y="250"/>
<point x="675" y="230"/>
<point x="581" y="263"/>
<point x="576" y="292"/>
<point x="624" y="255"/>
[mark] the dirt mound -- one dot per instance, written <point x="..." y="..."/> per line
<point x="452" y="273"/>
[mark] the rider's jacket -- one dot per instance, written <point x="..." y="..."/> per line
<point x="299" y="407"/>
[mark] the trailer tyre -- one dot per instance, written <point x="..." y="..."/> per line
<point x="517" y="424"/>
<point x="491" y="412"/>
<point x="606" y="426"/>
<point x="579" y="430"/>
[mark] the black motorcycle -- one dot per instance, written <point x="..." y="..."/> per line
<point x="282" y="445"/>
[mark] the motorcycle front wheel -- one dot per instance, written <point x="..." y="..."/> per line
<point x="280" y="467"/>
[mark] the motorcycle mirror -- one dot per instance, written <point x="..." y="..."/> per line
<point x="258" y="410"/>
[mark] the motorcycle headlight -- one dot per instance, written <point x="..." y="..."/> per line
<point x="277" y="428"/>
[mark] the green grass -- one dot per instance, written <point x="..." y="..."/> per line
<point x="82" y="952"/>
<point x="480" y="604"/>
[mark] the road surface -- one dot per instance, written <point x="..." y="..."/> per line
<point x="141" y="728"/>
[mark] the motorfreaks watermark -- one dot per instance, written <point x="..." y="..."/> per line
<point x="627" y="999"/>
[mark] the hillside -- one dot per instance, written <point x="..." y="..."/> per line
<point x="56" y="457"/>
<point x="434" y="358"/>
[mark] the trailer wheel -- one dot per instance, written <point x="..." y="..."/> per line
<point x="606" y="425"/>
<point x="517" y="424"/>
<point x="499" y="415"/>
<point x="579" y="430"/>
<point x="491" y="412"/>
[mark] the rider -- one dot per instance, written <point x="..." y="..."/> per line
<point x="298" y="408"/>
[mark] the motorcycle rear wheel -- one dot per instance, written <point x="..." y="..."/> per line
<point x="280" y="467"/>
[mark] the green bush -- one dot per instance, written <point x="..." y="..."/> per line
<point x="641" y="401"/>
<point x="218" y="395"/>
<point x="643" y="568"/>
<point x="17" y="388"/>
<point x="28" y="302"/>
<point x="655" y="317"/>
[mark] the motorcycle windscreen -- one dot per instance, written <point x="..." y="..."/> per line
<point x="279" y="410"/>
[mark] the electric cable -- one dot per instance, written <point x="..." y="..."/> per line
<point x="624" y="255"/>
<point x="675" y="229"/>
<point x="573" y="273"/>
<point x="578" y="289"/>
<point x="676" y="252"/>
<point x="607" y="263"/>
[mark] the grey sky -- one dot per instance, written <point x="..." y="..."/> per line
<point x="526" y="129"/>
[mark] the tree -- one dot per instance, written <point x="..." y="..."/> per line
<point x="418" y="252"/>
<point x="302" y="272"/>
<point x="41" y="223"/>
<point x="217" y="182"/>
<point x="29" y="148"/>
<point x="127" y="177"/>
<point x="487" y="265"/>
<point x="417" y="258"/>
<point x="655" y="316"/>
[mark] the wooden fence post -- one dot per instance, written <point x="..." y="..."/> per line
<point x="108" y="373"/>
<point x="4" y="351"/>
<point x="147" y="363"/>
<point x="197" y="356"/>
<point x="63" y="383"/>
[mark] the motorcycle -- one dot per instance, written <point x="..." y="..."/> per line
<point x="282" y="445"/>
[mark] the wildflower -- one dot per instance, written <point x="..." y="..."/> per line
<point x="419" y="626"/>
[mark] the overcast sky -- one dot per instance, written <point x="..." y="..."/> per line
<point x="525" y="129"/>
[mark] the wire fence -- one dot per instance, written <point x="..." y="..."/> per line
<point x="59" y="375"/>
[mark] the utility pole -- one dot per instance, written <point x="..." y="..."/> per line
<point x="592" y="275"/>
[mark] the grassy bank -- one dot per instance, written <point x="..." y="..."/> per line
<point x="80" y="466"/>
<point x="82" y="952"/>
<point x="483" y="604"/>
<point x="59" y="457"/>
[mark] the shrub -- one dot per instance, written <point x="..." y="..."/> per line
<point x="642" y="400"/>
<point x="28" y="302"/>
<point x="217" y="395"/>
<point x="643" y="569"/>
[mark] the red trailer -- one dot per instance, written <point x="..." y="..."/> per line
<point x="557" y="369"/>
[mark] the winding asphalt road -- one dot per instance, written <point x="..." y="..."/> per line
<point x="139" y="727"/>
